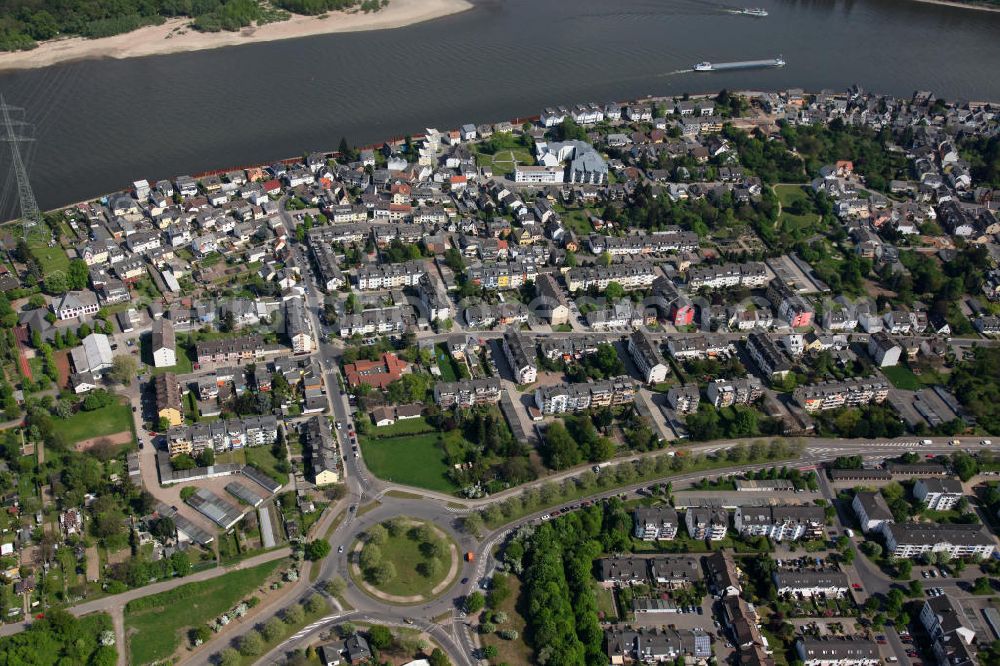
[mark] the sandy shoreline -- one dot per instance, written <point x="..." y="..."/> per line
<point x="963" y="5"/>
<point x="174" y="37"/>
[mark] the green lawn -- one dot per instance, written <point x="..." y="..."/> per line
<point x="789" y="222"/>
<point x="98" y="423"/>
<point x="606" y="602"/>
<point x="157" y="623"/>
<point x="414" y="460"/>
<point x="902" y="377"/>
<point x="261" y="457"/>
<point x="577" y="221"/>
<point x="404" y="553"/>
<point x="509" y="151"/>
<point x="446" y="364"/>
<point x="51" y="259"/>
<point x="516" y="651"/>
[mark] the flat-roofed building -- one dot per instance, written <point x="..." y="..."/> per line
<point x="811" y="583"/>
<point x="939" y="494"/>
<point x="958" y="540"/>
<point x="837" y="651"/>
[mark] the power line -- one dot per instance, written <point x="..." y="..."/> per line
<point x="30" y="215"/>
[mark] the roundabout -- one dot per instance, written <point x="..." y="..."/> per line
<point x="404" y="561"/>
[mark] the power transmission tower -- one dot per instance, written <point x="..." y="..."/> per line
<point x="30" y="215"/>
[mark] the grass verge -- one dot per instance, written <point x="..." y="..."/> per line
<point x="156" y="623"/>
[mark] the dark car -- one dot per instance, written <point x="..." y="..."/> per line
<point x="464" y="581"/>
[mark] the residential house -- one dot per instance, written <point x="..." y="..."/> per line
<point x="872" y="511"/>
<point x="520" y="353"/>
<point x="707" y="523"/>
<point x="646" y="355"/>
<point x="163" y="344"/>
<point x="167" y="392"/>
<point x="937" y="493"/>
<point x="655" y="523"/>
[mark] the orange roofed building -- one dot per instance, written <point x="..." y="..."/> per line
<point x="377" y="374"/>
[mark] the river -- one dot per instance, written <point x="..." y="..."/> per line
<point x="101" y="124"/>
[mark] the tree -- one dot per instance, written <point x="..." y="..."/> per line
<point x="163" y="424"/>
<point x="904" y="568"/>
<point x="383" y="573"/>
<point x="439" y="658"/>
<point x="378" y="535"/>
<point x="293" y="615"/>
<point x="78" y="274"/>
<point x="123" y="369"/>
<point x="472" y="524"/>
<point x="395" y="526"/>
<point x="371" y="556"/>
<point x="317" y="549"/>
<point x="559" y="449"/>
<point x="474" y="602"/>
<point x="982" y="586"/>
<point x="430" y="568"/>
<point x="273" y="629"/>
<point x="614" y="291"/>
<point x="201" y="634"/>
<point x="230" y="657"/>
<point x="55" y="283"/>
<point x="380" y="636"/>
<point x="206" y="457"/>
<point x="315" y="603"/>
<point x="251" y="644"/>
<point x="490" y="651"/>
<point x="334" y="585"/>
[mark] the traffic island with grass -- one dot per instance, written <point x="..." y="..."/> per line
<point x="404" y="561"/>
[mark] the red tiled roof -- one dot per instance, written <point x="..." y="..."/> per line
<point x="377" y="374"/>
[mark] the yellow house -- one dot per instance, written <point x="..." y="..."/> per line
<point x="173" y="415"/>
<point x="326" y="477"/>
<point x="168" y="398"/>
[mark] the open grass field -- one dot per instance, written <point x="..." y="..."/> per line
<point x="449" y="373"/>
<point x="405" y="554"/>
<point x="902" y="378"/>
<point x="51" y="259"/>
<point x="156" y="624"/>
<point x="414" y="460"/>
<point x="788" y="195"/>
<point x="261" y="457"/>
<point x="516" y="651"/>
<point x="98" y="423"/>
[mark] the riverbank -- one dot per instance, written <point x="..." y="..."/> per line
<point x="963" y="5"/>
<point x="174" y="36"/>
